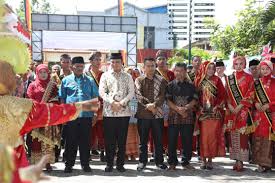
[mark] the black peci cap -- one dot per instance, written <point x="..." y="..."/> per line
<point x="78" y="60"/>
<point x="220" y="64"/>
<point x="116" y="56"/>
<point x="253" y="62"/>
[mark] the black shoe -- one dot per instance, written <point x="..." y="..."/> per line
<point x="86" y="168"/>
<point x="63" y="157"/>
<point x="102" y="157"/>
<point x="121" y="169"/>
<point x="95" y="152"/>
<point x="68" y="169"/>
<point x="152" y="160"/>
<point x="141" y="166"/>
<point x="161" y="166"/>
<point x="108" y="169"/>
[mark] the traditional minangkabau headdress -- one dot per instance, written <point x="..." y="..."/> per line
<point x="13" y="52"/>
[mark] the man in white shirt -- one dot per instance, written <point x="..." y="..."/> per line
<point x="116" y="88"/>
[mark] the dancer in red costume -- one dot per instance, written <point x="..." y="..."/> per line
<point x="240" y="96"/>
<point x="19" y="116"/>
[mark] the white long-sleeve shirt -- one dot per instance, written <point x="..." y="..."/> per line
<point x="116" y="87"/>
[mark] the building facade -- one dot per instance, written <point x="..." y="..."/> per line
<point x="179" y="19"/>
<point x="152" y="25"/>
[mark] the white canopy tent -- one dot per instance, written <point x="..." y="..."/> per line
<point x="84" y="32"/>
<point x="84" y="40"/>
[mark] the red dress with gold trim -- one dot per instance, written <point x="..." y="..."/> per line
<point x="240" y="86"/>
<point x="19" y="116"/>
<point x="211" y="133"/>
<point x="264" y="135"/>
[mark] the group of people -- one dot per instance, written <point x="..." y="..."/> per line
<point x="20" y="116"/>
<point x="153" y="108"/>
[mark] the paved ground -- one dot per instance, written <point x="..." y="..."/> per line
<point x="222" y="173"/>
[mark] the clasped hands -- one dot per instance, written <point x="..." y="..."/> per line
<point x="183" y="110"/>
<point x="261" y="107"/>
<point x="116" y="106"/>
<point x="235" y="110"/>
<point x="151" y="107"/>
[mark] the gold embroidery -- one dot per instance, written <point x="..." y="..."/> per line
<point x="6" y="164"/>
<point x="13" y="114"/>
<point x="49" y="115"/>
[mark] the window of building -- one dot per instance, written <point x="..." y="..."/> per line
<point x="200" y="27"/>
<point x="177" y="4"/>
<point x="177" y="21"/>
<point x="199" y="22"/>
<point x="177" y="10"/>
<point x="204" y="10"/>
<point x="202" y="33"/>
<point x="201" y="39"/>
<point x="204" y="4"/>
<point x="203" y="16"/>
<point x="174" y="15"/>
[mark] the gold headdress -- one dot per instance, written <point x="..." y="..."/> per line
<point x="14" y="52"/>
<point x="14" y="56"/>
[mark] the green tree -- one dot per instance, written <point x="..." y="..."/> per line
<point x="181" y="55"/>
<point x="38" y="6"/>
<point x="268" y="22"/>
<point x="247" y="36"/>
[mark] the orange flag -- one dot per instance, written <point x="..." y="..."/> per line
<point x="121" y="7"/>
<point x="28" y="13"/>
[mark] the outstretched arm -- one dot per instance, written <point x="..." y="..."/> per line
<point x="47" y="114"/>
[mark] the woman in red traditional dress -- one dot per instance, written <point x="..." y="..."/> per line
<point x="264" y="136"/>
<point x="44" y="140"/>
<point x="211" y="99"/>
<point x="240" y="96"/>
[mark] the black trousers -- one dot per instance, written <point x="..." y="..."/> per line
<point x="78" y="134"/>
<point x="144" y="126"/>
<point x="115" y="136"/>
<point x="186" y="134"/>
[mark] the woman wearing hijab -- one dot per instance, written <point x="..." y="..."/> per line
<point x="264" y="136"/>
<point x="211" y="99"/>
<point x="44" y="139"/>
<point x="240" y="96"/>
<point x="19" y="116"/>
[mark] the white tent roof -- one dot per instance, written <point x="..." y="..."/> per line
<point x="84" y="40"/>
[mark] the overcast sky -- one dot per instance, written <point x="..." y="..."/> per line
<point x="225" y="9"/>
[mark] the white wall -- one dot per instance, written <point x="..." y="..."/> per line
<point x="157" y="20"/>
